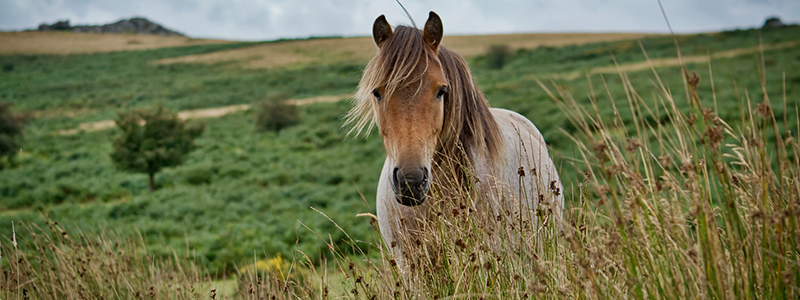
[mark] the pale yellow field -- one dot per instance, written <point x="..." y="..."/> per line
<point x="55" y="42"/>
<point x="360" y="49"/>
<point x="287" y="53"/>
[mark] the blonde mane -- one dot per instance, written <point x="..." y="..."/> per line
<point x="403" y="59"/>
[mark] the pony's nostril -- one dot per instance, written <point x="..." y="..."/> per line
<point x="395" y="178"/>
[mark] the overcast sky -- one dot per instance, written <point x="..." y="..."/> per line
<point x="271" y="19"/>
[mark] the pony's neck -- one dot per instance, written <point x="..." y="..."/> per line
<point x="470" y="131"/>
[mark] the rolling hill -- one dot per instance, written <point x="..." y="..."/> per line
<point x="243" y="190"/>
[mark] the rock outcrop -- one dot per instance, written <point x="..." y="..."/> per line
<point x="773" y="22"/>
<point x="134" y="25"/>
<point x="60" y="25"/>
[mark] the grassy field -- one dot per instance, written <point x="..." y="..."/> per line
<point x="243" y="192"/>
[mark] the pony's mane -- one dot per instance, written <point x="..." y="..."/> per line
<point x="468" y="122"/>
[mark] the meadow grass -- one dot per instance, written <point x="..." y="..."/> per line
<point x="674" y="201"/>
<point x="692" y="206"/>
<point x="244" y="191"/>
<point x="231" y="196"/>
<point x="74" y="265"/>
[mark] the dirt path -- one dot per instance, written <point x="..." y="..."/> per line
<point x="203" y="113"/>
<point x="667" y="62"/>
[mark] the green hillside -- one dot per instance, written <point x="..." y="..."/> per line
<point x="244" y="191"/>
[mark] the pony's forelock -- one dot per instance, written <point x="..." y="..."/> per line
<point x="395" y="64"/>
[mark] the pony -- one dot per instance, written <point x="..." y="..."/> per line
<point x="438" y="131"/>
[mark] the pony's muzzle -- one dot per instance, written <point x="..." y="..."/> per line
<point x="411" y="186"/>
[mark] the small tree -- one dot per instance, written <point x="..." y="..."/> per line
<point x="11" y="127"/>
<point x="275" y="113"/>
<point x="150" y="140"/>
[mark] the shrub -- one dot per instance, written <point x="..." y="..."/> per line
<point x="275" y="113"/>
<point x="11" y="132"/>
<point x="152" y="140"/>
<point x="497" y="56"/>
<point x="199" y="175"/>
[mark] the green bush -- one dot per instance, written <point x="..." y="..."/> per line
<point x="275" y="113"/>
<point x="199" y="175"/>
<point x="497" y="55"/>
<point x="11" y="127"/>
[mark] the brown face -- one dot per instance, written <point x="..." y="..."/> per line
<point x="411" y="118"/>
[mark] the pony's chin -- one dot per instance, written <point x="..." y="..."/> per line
<point x="409" y="201"/>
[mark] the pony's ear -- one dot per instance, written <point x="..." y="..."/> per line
<point x="432" y="34"/>
<point x="381" y="30"/>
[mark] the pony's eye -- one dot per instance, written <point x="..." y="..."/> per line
<point x="376" y="94"/>
<point x="442" y="90"/>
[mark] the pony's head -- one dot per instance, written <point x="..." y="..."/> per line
<point x="403" y="88"/>
<point x="422" y="97"/>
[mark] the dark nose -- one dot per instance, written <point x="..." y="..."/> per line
<point x="410" y="185"/>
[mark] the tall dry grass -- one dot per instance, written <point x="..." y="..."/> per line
<point x="679" y="204"/>
<point x="690" y="207"/>
<point x="66" y="265"/>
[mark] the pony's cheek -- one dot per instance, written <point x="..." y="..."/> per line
<point x="382" y="131"/>
<point x="382" y="127"/>
<point x="438" y="120"/>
